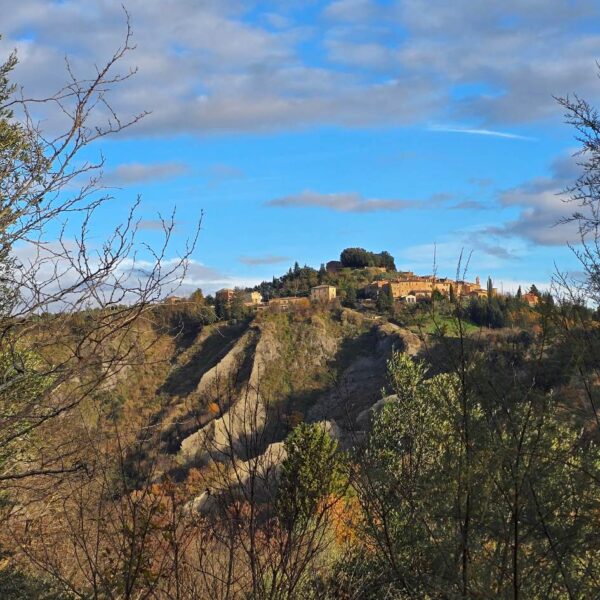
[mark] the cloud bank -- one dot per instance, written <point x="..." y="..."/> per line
<point x="216" y="66"/>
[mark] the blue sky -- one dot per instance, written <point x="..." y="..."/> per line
<point x="302" y="128"/>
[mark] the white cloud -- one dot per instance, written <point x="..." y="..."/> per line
<point x="269" y="259"/>
<point x="48" y="274"/>
<point x="353" y="202"/>
<point x="340" y="202"/>
<point x="211" y="280"/>
<point x="544" y="206"/>
<point x="485" y="132"/>
<point x="132" y="173"/>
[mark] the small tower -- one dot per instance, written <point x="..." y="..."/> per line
<point x="478" y="281"/>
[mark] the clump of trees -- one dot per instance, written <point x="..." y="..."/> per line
<point x="439" y="450"/>
<point x="488" y="312"/>
<point x="297" y="281"/>
<point x="359" y="258"/>
<point x="234" y="308"/>
<point x="186" y="316"/>
<point x="497" y="311"/>
<point x="385" y="301"/>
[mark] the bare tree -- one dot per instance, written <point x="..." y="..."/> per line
<point x="70" y="308"/>
<point x="75" y="315"/>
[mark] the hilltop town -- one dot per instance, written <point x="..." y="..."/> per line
<point x="361" y="279"/>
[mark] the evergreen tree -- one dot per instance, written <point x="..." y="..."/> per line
<point x="197" y="297"/>
<point x="350" y="297"/>
<point x="237" y="310"/>
<point x="322" y="273"/>
<point x="385" y="300"/>
<point x="222" y="308"/>
<point x="519" y="293"/>
<point x="311" y="471"/>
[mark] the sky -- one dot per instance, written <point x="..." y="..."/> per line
<point x="420" y="127"/>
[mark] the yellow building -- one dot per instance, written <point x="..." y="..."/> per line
<point x="418" y="286"/>
<point x="252" y="298"/>
<point x="424" y="286"/>
<point x="323" y="293"/>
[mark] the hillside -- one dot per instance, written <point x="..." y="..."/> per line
<point x="305" y="430"/>
<point x="290" y="367"/>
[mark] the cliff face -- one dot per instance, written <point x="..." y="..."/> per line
<point x="242" y="387"/>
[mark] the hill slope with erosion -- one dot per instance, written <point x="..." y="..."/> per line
<point x="266" y="374"/>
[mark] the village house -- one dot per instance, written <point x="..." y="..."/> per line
<point x="173" y="300"/>
<point x="323" y="293"/>
<point x="421" y="287"/>
<point x="467" y="288"/>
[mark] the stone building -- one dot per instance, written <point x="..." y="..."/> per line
<point x="225" y="295"/>
<point x="423" y="286"/>
<point x="334" y="266"/>
<point x="323" y="293"/>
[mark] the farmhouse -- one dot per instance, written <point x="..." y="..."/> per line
<point x="323" y="293"/>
